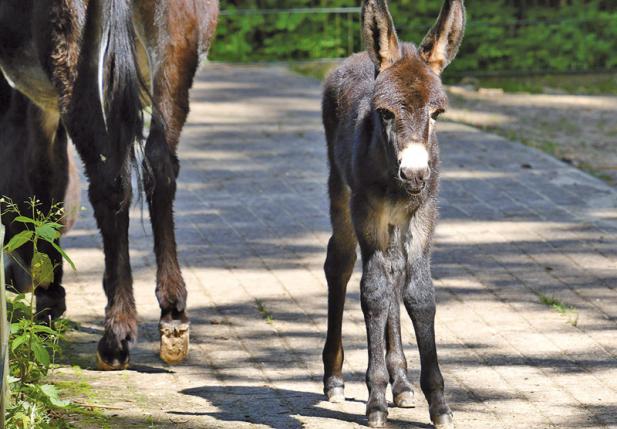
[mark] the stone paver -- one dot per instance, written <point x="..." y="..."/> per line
<point x="252" y="230"/>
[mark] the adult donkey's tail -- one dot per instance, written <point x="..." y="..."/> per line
<point x="104" y="68"/>
<point x="119" y="79"/>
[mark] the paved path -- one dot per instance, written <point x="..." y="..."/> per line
<point x="252" y="230"/>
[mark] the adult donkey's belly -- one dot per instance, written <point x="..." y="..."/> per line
<point x="18" y="54"/>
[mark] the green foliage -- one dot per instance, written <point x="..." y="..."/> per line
<point x="32" y="349"/>
<point x="502" y="35"/>
<point x="32" y="345"/>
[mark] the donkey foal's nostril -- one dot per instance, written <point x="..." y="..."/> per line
<point x="419" y="176"/>
<point x="405" y="173"/>
<point x="423" y="175"/>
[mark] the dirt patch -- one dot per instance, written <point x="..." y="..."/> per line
<point x="580" y="130"/>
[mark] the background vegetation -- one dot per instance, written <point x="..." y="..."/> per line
<point x="503" y="36"/>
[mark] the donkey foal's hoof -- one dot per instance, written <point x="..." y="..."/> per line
<point x="174" y="341"/>
<point x="116" y="365"/>
<point x="336" y="395"/>
<point x="377" y="419"/>
<point x="444" y="421"/>
<point x="405" y="400"/>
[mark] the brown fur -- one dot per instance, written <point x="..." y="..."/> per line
<point x="67" y="19"/>
<point x="150" y="50"/>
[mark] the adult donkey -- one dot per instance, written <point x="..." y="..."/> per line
<point x="379" y="112"/>
<point x="86" y="69"/>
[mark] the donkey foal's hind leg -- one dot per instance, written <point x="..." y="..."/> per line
<point x="338" y="268"/>
<point x="402" y="391"/>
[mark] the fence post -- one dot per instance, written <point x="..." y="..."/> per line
<point x="350" y="33"/>
<point x="4" y="337"/>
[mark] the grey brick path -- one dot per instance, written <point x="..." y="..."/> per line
<point x="252" y="229"/>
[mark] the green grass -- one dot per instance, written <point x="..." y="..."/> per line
<point x="265" y="313"/>
<point x="560" y="307"/>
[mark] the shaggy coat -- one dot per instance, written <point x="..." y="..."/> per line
<point x="379" y="112"/>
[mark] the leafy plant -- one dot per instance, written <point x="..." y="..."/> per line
<point x="32" y="345"/>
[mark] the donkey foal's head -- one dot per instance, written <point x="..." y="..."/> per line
<point x="408" y="95"/>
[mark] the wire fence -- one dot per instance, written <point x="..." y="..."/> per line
<point x="492" y="47"/>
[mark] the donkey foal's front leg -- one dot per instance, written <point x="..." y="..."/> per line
<point x="419" y="298"/>
<point x="376" y="296"/>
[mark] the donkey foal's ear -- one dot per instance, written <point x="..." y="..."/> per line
<point x="379" y="34"/>
<point x="441" y="44"/>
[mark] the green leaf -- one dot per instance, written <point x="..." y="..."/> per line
<point x="14" y="328"/>
<point x="18" y="341"/>
<point x="47" y="232"/>
<point x="64" y="255"/>
<point x="42" y="269"/>
<point x="52" y="394"/>
<point x="41" y="354"/>
<point x="19" y="240"/>
<point x="43" y="329"/>
<point x="24" y="219"/>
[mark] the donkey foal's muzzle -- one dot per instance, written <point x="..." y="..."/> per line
<point x="414" y="168"/>
<point x="415" y="180"/>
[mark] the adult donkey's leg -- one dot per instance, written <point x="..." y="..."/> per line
<point x="338" y="268"/>
<point x="33" y="153"/>
<point x="172" y="81"/>
<point x="103" y="132"/>
<point x="50" y="180"/>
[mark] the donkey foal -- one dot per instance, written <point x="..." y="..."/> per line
<point x="379" y="113"/>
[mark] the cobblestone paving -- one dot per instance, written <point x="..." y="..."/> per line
<point x="516" y="226"/>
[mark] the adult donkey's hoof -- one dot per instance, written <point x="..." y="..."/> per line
<point x="174" y="341"/>
<point x="336" y="395"/>
<point x="405" y="399"/>
<point x="444" y="421"/>
<point x="50" y="303"/>
<point x="114" y="365"/>
<point x="110" y="357"/>
<point x="377" y="419"/>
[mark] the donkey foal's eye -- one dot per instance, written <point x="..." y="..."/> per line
<point x="436" y="114"/>
<point x="385" y="114"/>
